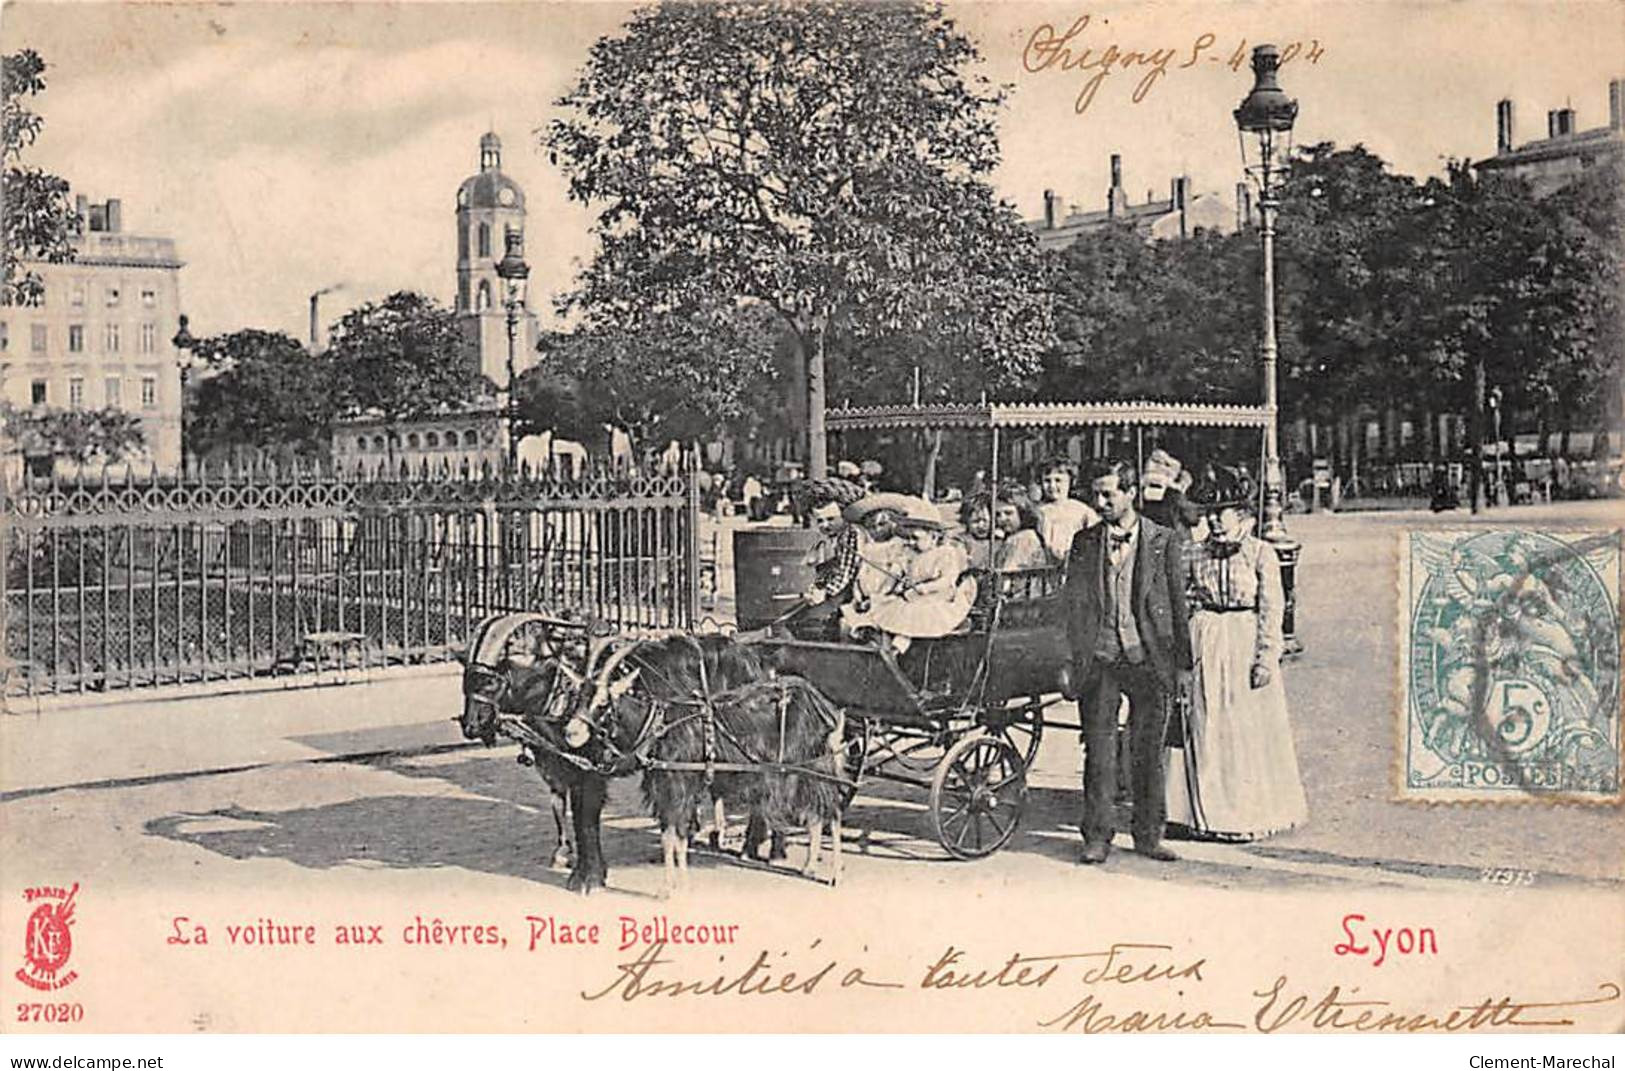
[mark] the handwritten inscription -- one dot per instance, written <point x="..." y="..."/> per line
<point x="1086" y="50"/>
<point x="1123" y="987"/>
<point x="1334" y="1011"/>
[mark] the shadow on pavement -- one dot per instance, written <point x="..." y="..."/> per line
<point x="500" y="823"/>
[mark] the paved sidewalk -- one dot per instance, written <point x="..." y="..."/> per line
<point x="61" y="746"/>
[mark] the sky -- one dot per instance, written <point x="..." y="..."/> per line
<point x="291" y="147"/>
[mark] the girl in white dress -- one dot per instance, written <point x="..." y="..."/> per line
<point x="1236" y="778"/>
<point x="930" y="600"/>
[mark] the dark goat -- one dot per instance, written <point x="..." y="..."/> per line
<point x="536" y="686"/>
<point x="649" y="700"/>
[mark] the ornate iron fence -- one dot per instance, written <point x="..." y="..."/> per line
<point x="113" y="583"/>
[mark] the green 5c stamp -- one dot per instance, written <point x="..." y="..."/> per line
<point x="1510" y="661"/>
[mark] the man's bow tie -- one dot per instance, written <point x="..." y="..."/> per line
<point x="1119" y="538"/>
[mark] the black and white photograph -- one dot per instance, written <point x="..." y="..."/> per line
<point x="798" y="516"/>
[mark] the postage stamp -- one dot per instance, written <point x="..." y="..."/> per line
<point x="1510" y="665"/>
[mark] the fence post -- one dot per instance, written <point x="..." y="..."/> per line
<point x="691" y="549"/>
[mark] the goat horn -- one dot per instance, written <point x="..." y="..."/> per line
<point x="476" y="642"/>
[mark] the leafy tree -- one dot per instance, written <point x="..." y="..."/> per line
<point x="265" y="393"/>
<point x="661" y="378"/>
<point x="1353" y="275"/>
<point x="401" y="358"/>
<point x="78" y="435"/>
<point x="827" y="161"/>
<point x="39" y="218"/>
<point x="1174" y="318"/>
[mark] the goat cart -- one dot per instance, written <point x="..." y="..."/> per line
<point x="961" y="715"/>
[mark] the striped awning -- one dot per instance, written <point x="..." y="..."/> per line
<point x="1047" y="415"/>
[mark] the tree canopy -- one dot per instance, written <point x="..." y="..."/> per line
<point x="40" y="221"/>
<point x="1390" y="292"/>
<point x="401" y="358"/>
<point x="78" y="435"/>
<point x="827" y="161"/>
<point x="668" y="377"/>
<point x="265" y="392"/>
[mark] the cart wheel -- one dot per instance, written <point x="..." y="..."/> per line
<point x="977" y="796"/>
<point x="1021" y="723"/>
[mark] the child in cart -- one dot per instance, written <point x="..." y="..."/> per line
<point x="930" y="599"/>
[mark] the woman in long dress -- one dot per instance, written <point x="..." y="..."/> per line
<point x="1236" y="778"/>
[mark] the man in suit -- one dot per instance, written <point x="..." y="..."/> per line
<point x="1126" y="623"/>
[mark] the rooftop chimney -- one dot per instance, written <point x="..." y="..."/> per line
<point x="1049" y="210"/>
<point x="1179" y="191"/>
<point x="1565" y="122"/>
<point x="96" y="219"/>
<point x="1244" y="206"/>
<point x="1180" y="196"/>
<point x="1116" y="199"/>
<point x="81" y="208"/>
<point x="115" y="215"/>
<point x="1503" y="127"/>
<point x="1616" y="104"/>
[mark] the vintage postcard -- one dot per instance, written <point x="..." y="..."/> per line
<point x="812" y="517"/>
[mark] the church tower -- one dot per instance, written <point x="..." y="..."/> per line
<point x="488" y="204"/>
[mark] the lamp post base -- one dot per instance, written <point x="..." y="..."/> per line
<point x="1286" y="552"/>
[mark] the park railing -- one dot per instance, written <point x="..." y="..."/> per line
<point x="119" y="581"/>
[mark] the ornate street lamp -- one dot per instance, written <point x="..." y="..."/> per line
<point x="184" y="342"/>
<point x="514" y="273"/>
<point x="1267" y="114"/>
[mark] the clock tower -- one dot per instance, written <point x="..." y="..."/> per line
<point x="488" y="204"/>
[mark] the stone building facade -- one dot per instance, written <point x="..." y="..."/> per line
<point x="99" y="335"/>
<point x="1179" y="215"/>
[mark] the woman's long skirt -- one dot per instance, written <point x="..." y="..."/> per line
<point x="1237" y="775"/>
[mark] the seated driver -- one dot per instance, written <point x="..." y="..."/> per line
<point x="836" y="559"/>
<point x="929" y="599"/>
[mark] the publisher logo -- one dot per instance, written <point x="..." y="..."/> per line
<point x="47" y="938"/>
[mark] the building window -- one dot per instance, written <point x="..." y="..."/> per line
<point x="149" y="337"/>
<point x="112" y="297"/>
<point x="462" y="241"/>
<point x="485" y="239"/>
<point x="112" y="338"/>
<point x="38" y="336"/>
<point x="412" y="440"/>
<point x="149" y="392"/>
<point x="485" y="295"/>
<point x="361" y="443"/>
<point x="5" y="336"/>
<point x="36" y="392"/>
<point x="76" y="296"/>
<point x="76" y="338"/>
<point x="115" y="392"/>
<point x="76" y="392"/>
<point x="378" y="442"/>
<point x="149" y="298"/>
<point x="432" y="440"/>
<point x="471" y="438"/>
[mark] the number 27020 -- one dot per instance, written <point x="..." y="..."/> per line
<point x="50" y="1013"/>
<point x="1500" y="875"/>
